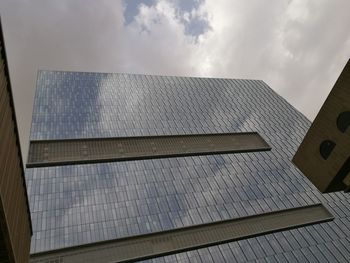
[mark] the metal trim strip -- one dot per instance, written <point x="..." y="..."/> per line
<point x="173" y="241"/>
<point x="96" y="150"/>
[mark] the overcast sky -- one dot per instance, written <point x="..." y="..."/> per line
<point x="298" y="47"/>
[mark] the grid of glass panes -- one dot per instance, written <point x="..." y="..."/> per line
<point x="327" y="242"/>
<point x="73" y="205"/>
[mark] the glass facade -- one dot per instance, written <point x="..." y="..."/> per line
<point x="79" y="204"/>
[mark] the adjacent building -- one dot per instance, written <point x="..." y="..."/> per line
<point x="324" y="155"/>
<point x="15" y="223"/>
<point x="86" y="193"/>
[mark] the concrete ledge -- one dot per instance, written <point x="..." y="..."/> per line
<point x="163" y="243"/>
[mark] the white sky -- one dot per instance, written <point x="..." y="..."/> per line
<point x="298" y="47"/>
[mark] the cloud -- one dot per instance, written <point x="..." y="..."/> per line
<point x="298" y="47"/>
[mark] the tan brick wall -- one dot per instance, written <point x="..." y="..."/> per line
<point x="308" y="159"/>
<point x="14" y="217"/>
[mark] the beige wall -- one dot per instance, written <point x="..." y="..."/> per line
<point x="308" y="159"/>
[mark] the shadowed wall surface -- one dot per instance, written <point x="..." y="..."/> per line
<point x="15" y="226"/>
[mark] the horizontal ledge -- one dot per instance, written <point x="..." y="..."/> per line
<point x="96" y="150"/>
<point x="168" y="242"/>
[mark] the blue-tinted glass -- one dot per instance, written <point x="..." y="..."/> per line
<point x="74" y="205"/>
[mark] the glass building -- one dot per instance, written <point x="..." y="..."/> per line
<point x="73" y="205"/>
